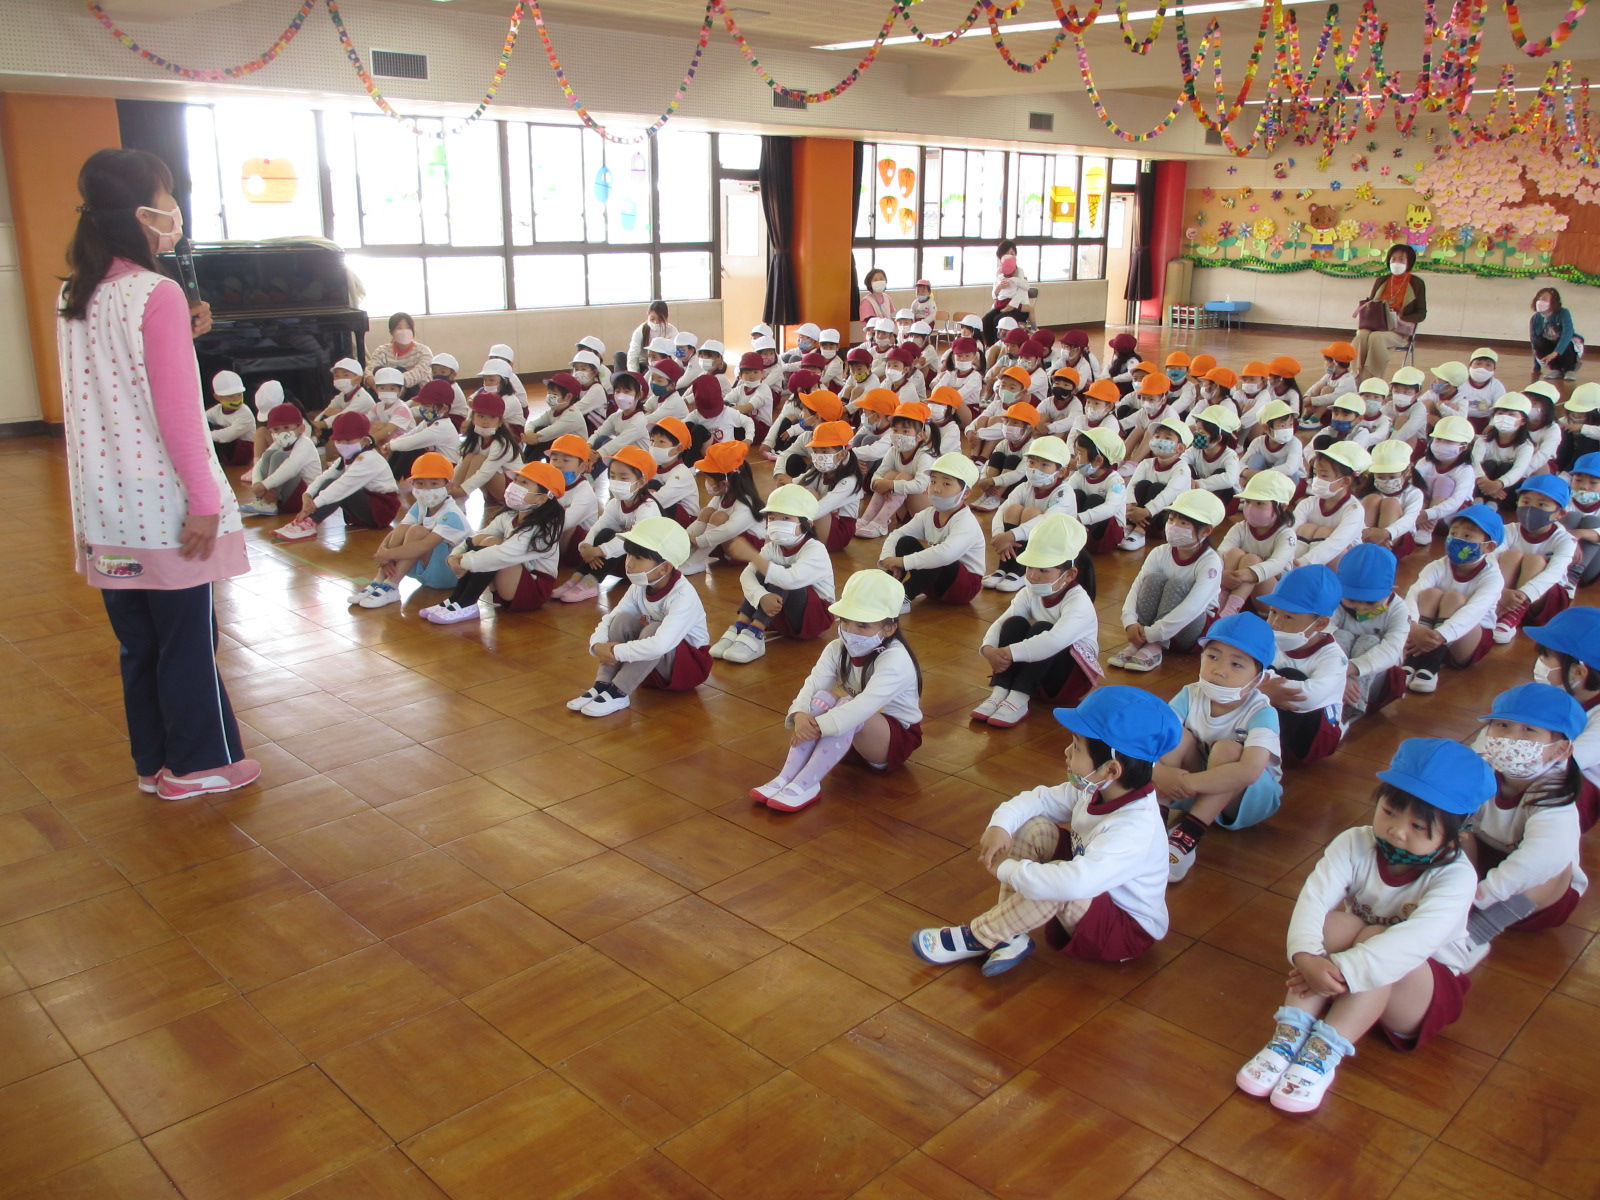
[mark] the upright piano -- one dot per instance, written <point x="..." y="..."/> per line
<point x="279" y="310"/>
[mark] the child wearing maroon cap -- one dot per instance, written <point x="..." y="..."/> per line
<point x="433" y="431"/>
<point x="752" y="395"/>
<point x="359" y="484"/>
<point x="712" y="420"/>
<point x="488" y="451"/>
<point x="563" y="392"/>
<point x="901" y="376"/>
<point x="1076" y="354"/>
<point x="285" y="468"/>
<point x="662" y="398"/>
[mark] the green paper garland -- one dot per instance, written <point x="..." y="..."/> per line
<point x="1340" y="270"/>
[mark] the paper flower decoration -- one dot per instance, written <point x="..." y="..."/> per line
<point x="1336" y="185"/>
<point x="1277" y="194"/>
<point x="1207" y="193"/>
<point x="1192" y="234"/>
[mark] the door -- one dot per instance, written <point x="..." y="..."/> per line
<point x="744" y="263"/>
<point x="1119" y="250"/>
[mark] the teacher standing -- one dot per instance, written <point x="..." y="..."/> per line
<point x="154" y="521"/>
<point x="1388" y="318"/>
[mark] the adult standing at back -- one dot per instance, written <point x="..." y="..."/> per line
<point x="154" y="521"/>
<point x="1387" y="319"/>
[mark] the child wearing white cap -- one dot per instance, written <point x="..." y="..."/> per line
<point x="939" y="552"/>
<point x="390" y="414"/>
<point x="656" y="634"/>
<point x="685" y="348"/>
<point x="712" y="363"/>
<point x="833" y="366"/>
<point x="863" y="696"/>
<point x="591" y="401"/>
<point x="505" y="354"/>
<point x="233" y="425"/>
<point x="1482" y="388"/>
<point x="446" y="367"/>
<point x="496" y="378"/>
<point x="348" y="396"/>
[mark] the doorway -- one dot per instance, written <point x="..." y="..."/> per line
<point x="744" y="263"/>
<point x="1119" y="252"/>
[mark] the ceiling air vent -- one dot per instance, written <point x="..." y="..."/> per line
<point x="1213" y="137"/>
<point x="1042" y="122"/>
<point x="779" y="100"/>
<point x="394" y="64"/>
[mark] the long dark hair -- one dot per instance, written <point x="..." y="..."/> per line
<point x="114" y="185"/>
<point x="741" y="489"/>
<point x="542" y="524"/>
<point x="850" y="468"/>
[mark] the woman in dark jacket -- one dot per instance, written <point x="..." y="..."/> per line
<point x="1551" y="336"/>
<point x="1389" y="316"/>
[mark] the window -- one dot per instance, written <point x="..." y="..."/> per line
<point x="492" y="215"/>
<point x="937" y="213"/>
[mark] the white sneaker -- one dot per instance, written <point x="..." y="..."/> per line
<point x="792" y="798"/>
<point x="1011" y="711"/>
<point x="1424" y="682"/>
<point x="1179" y="861"/>
<point x="449" y="613"/>
<point x="258" y="508"/>
<point x="1145" y="658"/>
<point x="905" y="607"/>
<point x="992" y="581"/>
<point x="1007" y="955"/>
<point x="987" y="502"/>
<point x="1011" y="583"/>
<point x="380" y="595"/>
<point x="361" y="593"/>
<point x="296" y="530"/>
<point x="604" y="705"/>
<point x="747" y="647"/>
<point x="1134" y="541"/>
<point x="985" y="710"/>
<point x="952" y="943"/>
<point x="720" y="646"/>
<point x="1504" y="633"/>
<point x="577" y="703"/>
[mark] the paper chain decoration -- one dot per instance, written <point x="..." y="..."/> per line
<point x="1298" y="101"/>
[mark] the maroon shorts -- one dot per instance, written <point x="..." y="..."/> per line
<point x="1485" y="644"/>
<point x="1323" y="742"/>
<point x="816" y="621"/>
<point x="289" y="502"/>
<point x="1449" y="998"/>
<point x="533" y="589"/>
<point x="569" y="548"/>
<point x="385" y="508"/>
<point x="1588" y="802"/>
<point x="1106" y="934"/>
<point x="1547" y="606"/>
<point x="1405" y="544"/>
<point x="1389" y="689"/>
<point x="721" y="555"/>
<point x="840" y="533"/>
<point x="458" y="421"/>
<point x="1076" y="687"/>
<point x="682" y="515"/>
<point x="691" y="666"/>
<point x="966" y="586"/>
<point x="903" y="742"/>
<point x="1549" y="918"/>
<point x="1109" y="540"/>
<point x="240" y="452"/>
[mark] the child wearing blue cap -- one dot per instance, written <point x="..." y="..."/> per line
<point x="1536" y="557"/>
<point x="1376" y="935"/>
<point x="1583" y="520"/>
<point x="1228" y="769"/>
<point x="1569" y="658"/>
<point x="1453" y="600"/>
<point x="1523" y="840"/>
<point x="1371" y="626"/>
<point x="1086" y="858"/>
<point x="1309" y="672"/>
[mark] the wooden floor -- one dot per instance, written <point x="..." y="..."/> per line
<point x="462" y="942"/>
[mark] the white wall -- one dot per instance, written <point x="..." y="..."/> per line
<point x="19" y="400"/>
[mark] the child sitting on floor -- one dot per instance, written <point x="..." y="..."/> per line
<point x="1275" y="446"/>
<point x="863" y="696"/>
<point x="1445" y="474"/>
<point x="1086" y="859"/>
<point x="1228" y="769"/>
<point x="656" y="634"/>
<point x="1046" y="488"/>
<point x="1047" y="642"/>
<point x="1098" y="488"/>
<point x="939" y="552"/>
<point x="232" y="424"/>
<point x="1307" y="681"/>
<point x="1171" y="600"/>
<point x="1330" y="520"/>
<point x="1452" y="603"/>
<point x="901" y="476"/>
<point x="1583" y="520"/>
<point x="432" y="431"/>
<point x="835" y="477"/>
<point x="359" y="484"/>
<point x="488" y="451"/>
<point x="1375" y="934"/>
<point x="1536" y="557"/>
<point x="421" y="544"/>
<point x="1261" y="546"/>
<point x="733" y="511"/>
<point x="1371" y="626"/>
<point x="1393" y="503"/>
<point x="1157" y="482"/>
<point x="570" y="454"/>
<point x="1213" y="462"/>
<point x="1569" y="658"/>
<point x="787" y="579"/>
<point x="1408" y="418"/>
<point x="631" y="473"/>
<point x="1337" y="380"/>
<point x="285" y="468"/>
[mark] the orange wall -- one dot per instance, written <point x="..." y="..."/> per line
<point x="46" y="139"/>
<point x="823" y="211"/>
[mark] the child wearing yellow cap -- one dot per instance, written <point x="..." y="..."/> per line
<point x="939" y="552"/>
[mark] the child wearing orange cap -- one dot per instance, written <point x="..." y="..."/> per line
<point x="1283" y="381"/>
<point x="1155" y="405"/>
<point x="1010" y="387"/>
<point x="1095" y="408"/>
<point x="359" y="484"/>
<point x="570" y="455"/>
<point x="1187" y="394"/>
<point x="1216" y="387"/>
<point x="632" y="475"/>
<point x="816" y="408"/>
<point x="732" y="509"/>
<point x="627" y="424"/>
<point x="421" y="544"/>
<point x="488" y="451"/>
<point x="676" y="492"/>
<point x="900" y="479"/>
<point x="515" y="553"/>
<point x="837" y="479"/>
<point x="1251" y="394"/>
<point x="1002" y="468"/>
<point x="945" y="408"/>
<point x="872" y="437"/>
<point x="1337" y="380"/>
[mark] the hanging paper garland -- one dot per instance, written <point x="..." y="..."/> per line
<point x="208" y="74"/>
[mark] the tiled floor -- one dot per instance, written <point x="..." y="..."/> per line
<point x="461" y="942"/>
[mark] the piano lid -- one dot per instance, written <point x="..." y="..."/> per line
<point x="292" y="275"/>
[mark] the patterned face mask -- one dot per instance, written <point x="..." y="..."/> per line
<point x="1516" y="758"/>
<point x="1397" y="857"/>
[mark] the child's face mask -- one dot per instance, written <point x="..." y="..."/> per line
<point x="284" y="439"/>
<point x="1177" y="375"/>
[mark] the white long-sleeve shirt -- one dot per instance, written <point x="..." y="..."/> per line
<point x="513" y="550"/>
<point x="969" y="384"/>
<point x="1060" y="498"/>
<point x="740" y="520"/>
<point x="916" y="464"/>
<point x="1215" y="474"/>
<point x="1479" y="401"/>
<point x="231" y="426"/>
<point x="956" y="538"/>
<point x="678" y="486"/>
<point x="1392" y="628"/>
<point x="757" y="396"/>
<point x="1558" y="548"/>
<point x="1276" y="552"/>
<point x="677" y="614"/>
<point x="394" y="412"/>
<point x="841" y="498"/>
<point x="1119" y="850"/>
<point x="543" y="428"/>
<point x="1072" y="621"/>
<point x="581" y="503"/>
<point x="807" y="565"/>
<point x="1102" y="499"/>
<point x="891" y="688"/>
<point x="1481" y="586"/>
<point x="1368" y="434"/>
<point x="1425" y="917"/>
<point x="301" y="463"/>
<point x="1487" y="452"/>
<point x="1288" y="459"/>
<point x="367" y="471"/>
<point x="1175" y="480"/>
<point x="1410" y="498"/>
<point x="1348" y="519"/>
<point x="619" y="430"/>
<point x="1410" y="423"/>
<point x="1539" y="843"/>
<point x="1448" y="492"/>
<point x="620" y="518"/>
<point x="500" y="457"/>
<point x="1204" y="574"/>
<point x="1325" y="668"/>
<point x="438" y="436"/>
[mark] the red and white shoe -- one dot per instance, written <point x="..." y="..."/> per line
<point x="151" y="784"/>
<point x="203" y="783"/>
<point x="296" y="530"/>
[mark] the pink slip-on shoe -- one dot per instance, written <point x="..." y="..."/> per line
<point x="203" y="783"/>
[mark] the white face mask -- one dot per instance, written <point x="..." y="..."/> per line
<point x="1446" y="451"/>
<point x="879" y="286"/>
<point x="1218" y="694"/>
<point x="1403" y="400"/>
<point x="1322" y="489"/>
<point x="906" y="442"/>
<point x="1041" y="479"/>
<point x="938" y="412"/>
<point x="707" y="364"/>
<point x="624" y="489"/>
<point x="1542" y="305"/>
<point x="857" y="645"/>
<point x="829" y="355"/>
<point x="284" y="441"/>
<point x="661" y="454"/>
<point x="945" y="503"/>
<point x="402" y="337"/>
<point x="783" y="533"/>
<point x="347" y="450"/>
<point x="388" y="397"/>
<point x="1480" y="375"/>
<point x="428" y="497"/>
<point x="1095" y="412"/>
<point x="344" y="385"/>
<point x="1048" y="589"/>
<point x="1249" y="389"/>
<point x="1154" y="406"/>
<point x="1280" y="437"/>
<point x="641" y="578"/>
<point x="484" y="435"/>
<point x="1289" y="641"/>
<point x="1397" y="268"/>
<point x="1180" y="537"/>
<point x="1390" y="487"/>
<point x="1505" y="422"/>
<point x="1516" y="758"/>
<point x="896" y="371"/>
<point x="166" y="241"/>
<point x="516" y="497"/>
<point x="1550" y="675"/>
<point x="963" y="365"/>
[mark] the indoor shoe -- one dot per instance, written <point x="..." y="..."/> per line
<point x="986" y="503"/>
<point x="1134" y="541"/>
<point x="361" y="593"/>
<point x="790" y="798"/>
<point x="1007" y="955"/>
<point x="259" y="508"/>
<point x="604" y="704"/>
<point x="1011" y="583"/>
<point x="952" y="943"/>
<point x="296" y="530"/>
<point x="1504" y="632"/>
<point x="763" y="793"/>
<point x="204" y="783"/>
<point x="747" y="647"/>
<point x="1261" y="1074"/>
<point x="151" y="784"/>
<point x="720" y="646"/>
<point x="1311" y="1074"/>
<point x="1180" y="857"/>
<point x="577" y="703"/>
<point x="579" y="590"/>
<point x="985" y="710"/>
<point x="869" y="532"/>
<point x="1145" y="658"/>
<point x="449" y="613"/>
<point x="992" y="581"/>
<point x="1424" y="682"/>
<point x="379" y="595"/>
<point x="1010" y="712"/>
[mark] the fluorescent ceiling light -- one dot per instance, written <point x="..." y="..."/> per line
<point x="1049" y="26"/>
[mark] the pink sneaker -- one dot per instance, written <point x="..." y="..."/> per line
<point x="151" y="784"/>
<point x="203" y="783"/>
<point x="296" y="530"/>
<point x="580" y="590"/>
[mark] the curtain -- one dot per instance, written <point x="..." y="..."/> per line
<point x="1141" y="278"/>
<point x="857" y="165"/>
<point x="776" y="177"/>
<point x="158" y="126"/>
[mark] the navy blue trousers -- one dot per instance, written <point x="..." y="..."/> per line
<point x="178" y="711"/>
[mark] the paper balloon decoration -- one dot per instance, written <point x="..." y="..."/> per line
<point x="1063" y="204"/>
<point x="269" y="180"/>
<point x="888" y="207"/>
<point x="908" y="220"/>
<point x="1094" y="191"/>
<point x="908" y="181"/>
<point x="886" y="171"/>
